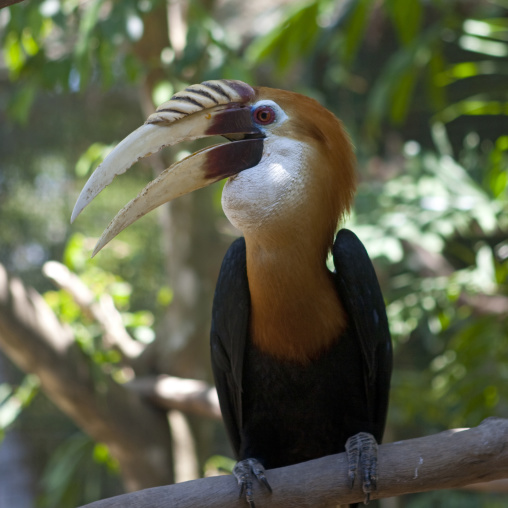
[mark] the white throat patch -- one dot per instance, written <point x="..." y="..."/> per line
<point x="270" y="190"/>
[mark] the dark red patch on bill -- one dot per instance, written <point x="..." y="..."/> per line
<point x="234" y="119"/>
<point x="232" y="158"/>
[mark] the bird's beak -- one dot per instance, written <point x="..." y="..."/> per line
<point x="209" y="109"/>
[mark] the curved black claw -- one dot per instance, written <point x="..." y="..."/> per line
<point x="244" y="471"/>
<point x="361" y="449"/>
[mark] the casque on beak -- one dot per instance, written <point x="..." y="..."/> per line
<point x="209" y="109"/>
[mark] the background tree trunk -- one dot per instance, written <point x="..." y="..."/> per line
<point x="136" y="432"/>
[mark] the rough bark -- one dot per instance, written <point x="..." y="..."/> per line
<point x="447" y="460"/>
<point x="136" y="433"/>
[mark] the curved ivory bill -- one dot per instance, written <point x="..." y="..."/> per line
<point x="208" y="109"/>
<point x="194" y="172"/>
<point x="144" y="141"/>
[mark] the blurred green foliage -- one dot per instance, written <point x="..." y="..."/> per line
<point x="79" y="472"/>
<point x="422" y="88"/>
<point x="14" y="399"/>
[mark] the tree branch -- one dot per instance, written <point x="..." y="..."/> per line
<point x="486" y="305"/>
<point x="433" y="264"/>
<point x="186" y="395"/>
<point x="103" y="310"/>
<point x="447" y="460"/>
<point x="167" y="392"/>
<point x="6" y="3"/>
<point x="34" y="339"/>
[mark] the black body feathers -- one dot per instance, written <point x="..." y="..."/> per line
<point x="283" y="413"/>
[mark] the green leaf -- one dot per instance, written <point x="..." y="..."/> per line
<point x="495" y="28"/>
<point x="393" y="90"/>
<point x="133" y="68"/>
<point x="407" y="17"/>
<point x="355" y="28"/>
<point x="106" y="56"/>
<point x="162" y="92"/>
<point x="217" y="464"/>
<point x="101" y="455"/>
<point x="29" y="44"/>
<point x="13" y="401"/>
<point x="476" y="105"/>
<point x="483" y="46"/>
<point x="164" y="296"/>
<point x="91" y="158"/>
<point x="498" y="174"/>
<point x="85" y="42"/>
<point x="464" y="70"/>
<point x="88" y="22"/>
<point x="436" y="93"/>
<point x="290" y="40"/>
<point x="14" y="55"/>
<point x="401" y="96"/>
<point x="74" y="256"/>
<point x="19" y="108"/>
<point x="139" y="318"/>
<point x="65" y="466"/>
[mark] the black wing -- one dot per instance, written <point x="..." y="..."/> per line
<point x="361" y="296"/>
<point x="230" y="327"/>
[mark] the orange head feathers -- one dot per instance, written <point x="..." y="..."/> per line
<point x="290" y="170"/>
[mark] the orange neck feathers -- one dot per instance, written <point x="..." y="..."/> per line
<point x="295" y="310"/>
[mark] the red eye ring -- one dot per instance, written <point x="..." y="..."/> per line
<point x="264" y="115"/>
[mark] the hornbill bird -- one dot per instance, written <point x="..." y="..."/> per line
<point x="301" y="355"/>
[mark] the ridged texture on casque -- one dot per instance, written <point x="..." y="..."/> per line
<point x="201" y="96"/>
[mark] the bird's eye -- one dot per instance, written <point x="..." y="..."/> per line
<point x="264" y="115"/>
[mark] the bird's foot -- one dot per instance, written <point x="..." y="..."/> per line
<point x="245" y="471"/>
<point x="361" y="450"/>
